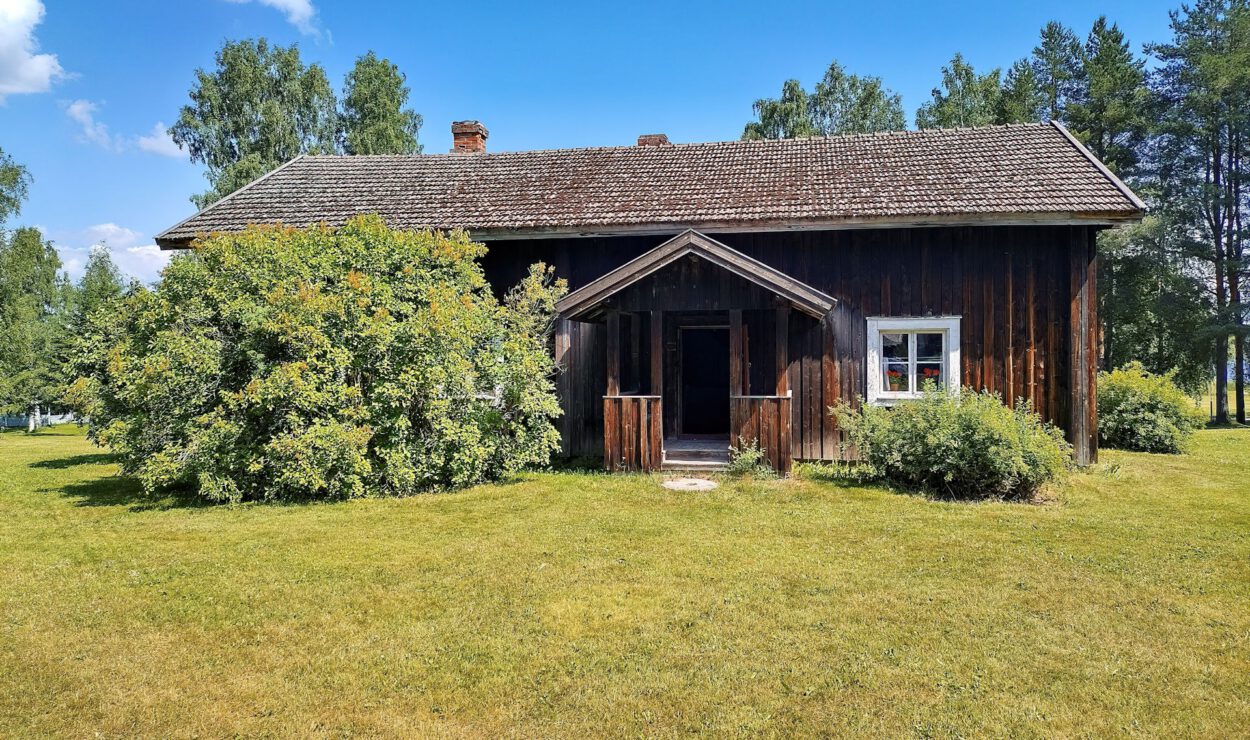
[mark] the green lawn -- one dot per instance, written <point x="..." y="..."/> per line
<point x="578" y="605"/>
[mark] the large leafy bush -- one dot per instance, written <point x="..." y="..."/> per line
<point x="1138" y="410"/>
<point x="958" y="446"/>
<point x="320" y="363"/>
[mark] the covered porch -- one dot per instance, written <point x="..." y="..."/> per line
<point x="696" y="354"/>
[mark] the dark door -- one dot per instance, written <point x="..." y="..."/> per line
<point x="705" y="381"/>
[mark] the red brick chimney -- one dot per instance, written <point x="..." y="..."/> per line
<point x="653" y="140"/>
<point x="468" y="137"/>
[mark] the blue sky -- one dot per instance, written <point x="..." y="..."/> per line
<point x="87" y="86"/>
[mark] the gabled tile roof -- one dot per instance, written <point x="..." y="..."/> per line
<point x="1020" y="173"/>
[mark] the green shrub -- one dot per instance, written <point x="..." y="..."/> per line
<point x="958" y="446"/>
<point x="748" y="459"/>
<point x="1138" y="410"/>
<point x="288" y="364"/>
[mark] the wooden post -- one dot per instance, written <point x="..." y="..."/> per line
<point x="735" y="352"/>
<point x="657" y="353"/>
<point x="783" y="349"/>
<point x="614" y="352"/>
<point x="561" y="345"/>
<point x="1083" y="333"/>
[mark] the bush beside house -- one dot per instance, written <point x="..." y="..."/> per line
<point x="1138" y="410"/>
<point x="324" y="363"/>
<point x="968" y="445"/>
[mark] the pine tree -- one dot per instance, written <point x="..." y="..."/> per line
<point x="1107" y="107"/>
<point x="1057" y="65"/>
<point x="1021" y="99"/>
<point x="1202" y="162"/>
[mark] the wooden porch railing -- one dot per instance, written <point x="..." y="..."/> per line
<point x="765" y="419"/>
<point x="633" y="436"/>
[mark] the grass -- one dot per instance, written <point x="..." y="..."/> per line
<point x="575" y="604"/>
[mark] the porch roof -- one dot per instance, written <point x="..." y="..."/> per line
<point x="586" y="301"/>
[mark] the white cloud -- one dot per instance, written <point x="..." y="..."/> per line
<point x="22" y="69"/>
<point x="144" y="262"/>
<point x="83" y="112"/>
<point x="112" y="234"/>
<point x="125" y="246"/>
<point x="299" y="13"/>
<point x="160" y="142"/>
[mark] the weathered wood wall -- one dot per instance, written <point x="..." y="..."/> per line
<point x="1026" y="295"/>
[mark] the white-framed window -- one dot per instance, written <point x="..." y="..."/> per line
<point x="905" y="352"/>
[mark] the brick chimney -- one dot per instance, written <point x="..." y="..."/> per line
<point x="468" y="137"/>
<point x="653" y="140"/>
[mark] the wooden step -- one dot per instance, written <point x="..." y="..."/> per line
<point x="700" y="455"/>
<point x="694" y="466"/>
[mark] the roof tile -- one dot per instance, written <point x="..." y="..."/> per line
<point x="1033" y="169"/>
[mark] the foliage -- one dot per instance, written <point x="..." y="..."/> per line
<point x="14" y="183"/>
<point x="786" y="117"/>
<point x="1057" y="67"/>
<point x="101" y="283"/>
<point x="846" y="473"/>
<point x="842" y="104"/>
<point x="1143" y="411"/>
<point x="968" y="445"/>
<point x="1108" y="109"/>
<point x="1200" y="158"/>
<point x="322" y="363"/>
<point x="259" y="108"/>
<point x="964" y="99"/>
<point x="375" y="119"/>
<point x="35" y="301"/>
<point x="1152" y="309"/>
<point x="747" y="458"/>
<point x="1021" y="99"/>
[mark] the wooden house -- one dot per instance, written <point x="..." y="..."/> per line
<point x="737" y="290"/>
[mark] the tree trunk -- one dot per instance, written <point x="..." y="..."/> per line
<point x="32" y="418"/>
<point x="1239" y="355"/>
<point x="1239" y="379"/>
<point x="1236" y="256"/>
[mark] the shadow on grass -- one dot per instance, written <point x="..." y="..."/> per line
<point x="61" y="463"/>
<point x="122" y="491"/>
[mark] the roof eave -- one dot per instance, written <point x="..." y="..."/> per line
<point x="1083" y="218"/>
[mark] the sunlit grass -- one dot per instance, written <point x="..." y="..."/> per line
<point x="587" y="605"/>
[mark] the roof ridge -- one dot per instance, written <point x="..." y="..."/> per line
<point x="788" y="141"/>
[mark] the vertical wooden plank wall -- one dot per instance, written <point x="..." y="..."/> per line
<point x="763" y="419"/>
<point x="632" y="440"/>
<point x="1026" y="296"/>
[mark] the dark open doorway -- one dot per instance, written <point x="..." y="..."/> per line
<point x="705" y="381"/>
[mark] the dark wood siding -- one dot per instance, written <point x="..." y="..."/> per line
<point x="1025" y="294"/>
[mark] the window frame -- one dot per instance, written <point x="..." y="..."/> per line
<point x="947" y="326"/>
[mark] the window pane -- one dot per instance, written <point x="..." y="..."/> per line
<point x="928" y="347"/>
<point x="895" y="376"/>
<point x="894" y="346"/>
<point x="929" y="371"/>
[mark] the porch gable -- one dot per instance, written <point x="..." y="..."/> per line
<point x="587" y="303"/>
